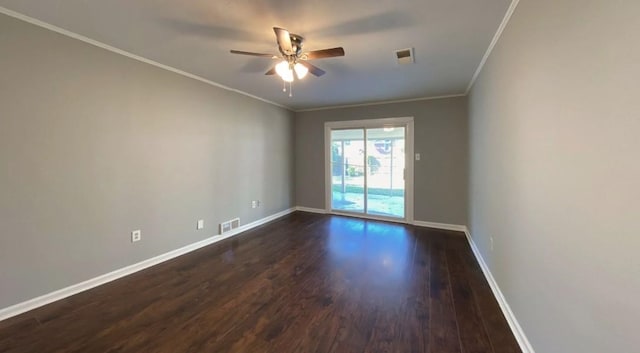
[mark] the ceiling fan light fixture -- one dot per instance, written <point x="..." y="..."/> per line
<point x="284" y="71"/>
<point x="301" y="70"/>
<point x="288" y="77"/>
<point x="282" y="68"/>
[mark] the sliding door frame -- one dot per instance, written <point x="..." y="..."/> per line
<point x="407" y="123"/>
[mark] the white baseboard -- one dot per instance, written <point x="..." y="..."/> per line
<point x="125" y="271"/>
<point x="111" y="276"/>
<point x="309" y="209"/>
<point x="445" y="226"/>
<point x="524" y="343"/>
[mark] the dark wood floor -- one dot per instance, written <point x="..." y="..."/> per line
<point x="304" y="283"/>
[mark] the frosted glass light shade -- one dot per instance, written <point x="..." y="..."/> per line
<point x="301" y="71"/>
<point x="283" y="70"/>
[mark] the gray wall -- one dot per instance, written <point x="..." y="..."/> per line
<point x="94" y="145"/>
<point x="440" y="138"/>
<point x="555" y="177"/>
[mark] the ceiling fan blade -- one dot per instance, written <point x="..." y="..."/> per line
<point x="314" y="70"/>
<point x="284" y="40"/>
<point x="271" y="71"/>
<point x="252" y="54"/>
<point x="325" y="53"/>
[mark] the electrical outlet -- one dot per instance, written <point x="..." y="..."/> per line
<point x="255" y="204"/>
<point x="136" y="235"/>
<point x="200" y="224"/>
<point x="417" y="156"/>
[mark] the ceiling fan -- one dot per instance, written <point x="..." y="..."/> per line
<point x="293" y="59"/>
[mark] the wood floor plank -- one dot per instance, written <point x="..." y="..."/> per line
<point x="417" y="314"/>
<point x="303" y="283"/>
<point x="444" y="334"/>
<point x="496" y="326"/>
<point x="473" y="336"/>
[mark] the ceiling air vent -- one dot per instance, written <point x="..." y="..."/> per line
<point x="405" y="56"/>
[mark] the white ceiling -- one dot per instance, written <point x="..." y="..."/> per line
<point x="449" y="37"/>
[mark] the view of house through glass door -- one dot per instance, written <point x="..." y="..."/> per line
<point x="367" y="170"/>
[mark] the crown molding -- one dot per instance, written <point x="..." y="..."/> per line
<point x="39" y="23"/>
<point x="494" y="41"/>
<point x="110" y="48"/>
<point x="380" y="103"/>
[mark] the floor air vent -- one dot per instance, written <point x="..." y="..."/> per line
<point x="229" y="225"/>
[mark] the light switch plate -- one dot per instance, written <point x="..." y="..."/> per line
<point x="417" y="156"/>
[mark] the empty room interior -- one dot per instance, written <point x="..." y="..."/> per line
<point x="320" y="176"/>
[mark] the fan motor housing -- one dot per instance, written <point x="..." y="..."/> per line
<point x="296" y="42"/>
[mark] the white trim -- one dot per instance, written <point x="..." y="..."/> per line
<point x="408" y="123"/>
<point x="34" y="303"/>
<point x="496" y="37"/>
<point x="108" y="47"/>
<point x="327" y="169"/>
<point x="409" y="172"/>
<point x="524" y="343"/>
<point x="380" y="103"/>
<point x="367" y="123"/>
<point x="494" y="41"/>
<point x="309" y="209"/>
<point x="445" y="226"/>
<point x="125" y="271"/>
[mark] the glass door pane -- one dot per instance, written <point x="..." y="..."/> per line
<point x="348" y="170"/>
<point x="385" y="171"/>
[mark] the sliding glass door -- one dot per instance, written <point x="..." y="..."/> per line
<point x="367" y="168"/>
<point x="385" y="171"/>
<point x="348" y="170"/>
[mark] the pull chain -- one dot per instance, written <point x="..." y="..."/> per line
<point x="284" y="88"/>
